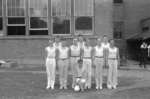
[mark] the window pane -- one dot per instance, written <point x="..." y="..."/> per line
<point x="61" y="7"/>
<point x="118" y="30"/>
<point x="16" y="20"/>
<point x="38" y="32"/>
<point x="61" y="25"/>
<point x="16" y="7"/>
<point x="16" y="30"/>
<point x="38" y="8"/>
<point x="38" y="22"/>
<point x="83" y="23"/>
<point x="118" y="1"/>
<point x="1" y="23"/>
<point x="1" y="7"/>
<point x="84" y="7"/>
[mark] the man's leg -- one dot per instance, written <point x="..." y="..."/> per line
<point x="48" y="74"/>
<point x="101" y="61"/>
<point x="65" y="72"/>
<point x="97" y="73"/>
<point x="74" y="64"/>
<point x="109" y="78"/>
<point x="89" y="67"/>
<point x="53" y="73"/>
<point x="115" y="74"/>
<point x="61" y="66"/>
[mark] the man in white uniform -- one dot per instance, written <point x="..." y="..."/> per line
<point x="99" y="63"/>
<point x="50" y="65"/>
<point x="63" y="63"/>
<point x="105" y="44"/>
<point x="87" y="62"/>
<point x="74" y="57"/>
<point x="113" y="62"/>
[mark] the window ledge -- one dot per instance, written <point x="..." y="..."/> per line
<point x="39" y="37"/>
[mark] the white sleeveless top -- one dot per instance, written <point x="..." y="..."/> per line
<point x="105" y="46"/>
<point x="87" y="51"/>
<point x="81" y="44"/>
<point x="99" y="51"/>
<point x="63" y="52"/>
<point x="112" y="53"/>
<point x="75" y="50"/>
<point x="51" y="52"/>
<point x="57" y="45"/>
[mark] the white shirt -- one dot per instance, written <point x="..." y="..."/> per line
<point x="87" y="51"/>
<point x="75" y="50"/>
<point x="63" y="52"/>
<point x="105" y="46"/>
<point x="57" y="45"/>
<point x="144" y="46"/>
<point x="51" y="52"/>
<point x="112" y="53"/>
<point x="148" y="50"/>
<point x="81" y="44"/>
<point x="99" y="51"/>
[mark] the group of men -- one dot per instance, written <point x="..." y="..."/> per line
<point x="81" y="56"/>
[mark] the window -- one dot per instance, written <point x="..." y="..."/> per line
<point x="84" y="16"/>
<point x="1" y="16"/>
<point x="38" y="15"/>
<point x="118" y="1"/>
<point x="16" y="17"/>
<point x="61" y="16"/>
<point x="118" y="30"/>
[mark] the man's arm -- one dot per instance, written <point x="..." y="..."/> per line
<point x="118" y="57"/>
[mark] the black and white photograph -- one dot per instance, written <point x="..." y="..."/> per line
<point x="74" y="49"/>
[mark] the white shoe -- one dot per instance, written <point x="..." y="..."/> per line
<point x="115" y="87"/>
<point x="109" y="86"/>
<point x="100" y="87"/>
<point x="97" y="87"/>
<point x="48" y="87"/>
<point x="52" y="87"/>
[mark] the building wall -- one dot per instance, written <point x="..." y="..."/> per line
<point x="135" y="11"/>
<point x="104" y="17"/>
<point x="29" y="48"/>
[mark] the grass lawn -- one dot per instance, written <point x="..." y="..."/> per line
<point x="24" y="85"/>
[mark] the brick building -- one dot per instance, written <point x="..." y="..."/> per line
<point x="26" y="25"/>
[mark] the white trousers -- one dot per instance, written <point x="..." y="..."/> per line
<point x="112" y="73"/>
<point x="63" y="71"/>
<point x="87" y="65"/>
<point x="99" y="63"/>
<point x="74" y="68"/>
<point x="50" y="69"/>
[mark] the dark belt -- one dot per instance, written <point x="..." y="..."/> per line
<point x="51" y="57"/>
<point x="99" y="57"/>
<point x="112" y="58"/>
<point x="87" y="57"/>
<point x="75" y="56"/>
<point x="63" y="58"/>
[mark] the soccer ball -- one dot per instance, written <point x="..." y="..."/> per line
<point x="76" y="88"/>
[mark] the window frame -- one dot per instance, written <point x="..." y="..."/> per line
<point x="68" y="17"/>
<point x="2" y="9"/>
<point x="122" y="29"/>
<point x="47" y="17"/>
<point x="89" y="32"/>
<point x="7" y="16"/>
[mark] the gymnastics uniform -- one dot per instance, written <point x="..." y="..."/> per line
<point x="50" y="66"/>
<point x="75" y="56"/>
<point x="99" y="62"/>
<point x="63" y="63"/>
<point x="87" y="64"/>
<point x="112" y="71"/>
